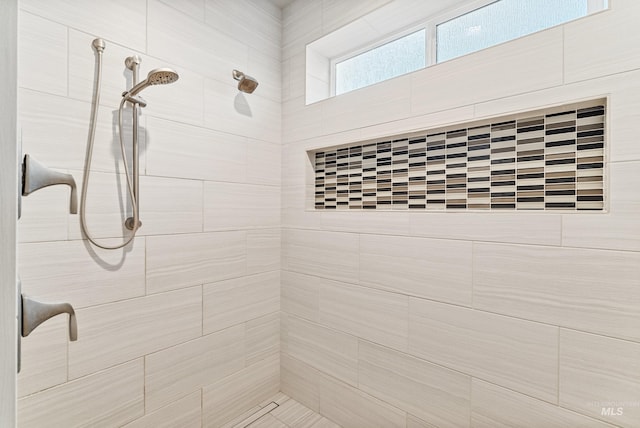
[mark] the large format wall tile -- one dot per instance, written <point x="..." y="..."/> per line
<point x="230" y="302"/>
<point x="329" y="351"/>
<point x="118" y="332"/>
<point x="378" y="316"/>
<point x="176" y="372"/>
<point x="262" y="338"/>
<point x="600" y="377"/>
<point x="431" y="268"/>
<point x="433" y="393"/>
<point x="106" y="399"/>
<point x="176" y="261"/>
<point x="517" y="354"/>
<point x="233" y="395"/>
<point x="183" y="413"/>
<point x="66" y="271"/>
<point x="263" y="250"/>
<point x="591" y="290"/>
<point x="240" y="206"/>
<point x="496" y="407"/>
<point x="300" y="380"/>
<point x="300" y="295"/>
<point x="326" y="254"/>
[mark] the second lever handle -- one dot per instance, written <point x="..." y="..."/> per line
<point x="35" y="176"/>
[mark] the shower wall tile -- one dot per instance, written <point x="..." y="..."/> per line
<point x="335" y="14"/>
<point x="170" y="205"/>
<point x="496" y="407"/>
<point x="37" y="373"/>
<point x="590" y="290"/>
<point x="176" y="372"/>
<point x="616" y="42"/>
<point x="348" y="406"/>
<point x="263" y="163"/>
<point x="378" y="316"/>
<point x="495" y="227"/>
<point x="134" y="328"/>
<point x="184" y="151"/>
<point x="193" y="8"/>
<point x="122" y="22"/>
<point x="325" y="254"/>
<point x="238" y="206"/>
<point x="299" y="121"/>
<point x="181" y="39"/>
<point x="263" y="250"/>
<point x="301" y="24"/>
<point x="300" y="295"/>
<point x="45" y="216"/>
<point x="234" y="301"/>
<point x="184" y="413"/>
<point x="250" y="115"/>
<point x="235" y="394"/>
<point x="266" y="67"/>
<point x="43" y="46"/>
<point x="413" y="422"/>
<point x="433" y="393"/>
<point x="109" y="398"/>
<point x="620" y="230"/>
<point x="600" y="373"/>
<point x="262" y="340"/>
<point x="510" y="352"/>
<point x="430" y="268"/>
<point x="527" y="64"/>
<point x="329" y="351"/>
<point x="300" y="380"/>
<point x="178" y="261"/>
<point x="66" y="271"/>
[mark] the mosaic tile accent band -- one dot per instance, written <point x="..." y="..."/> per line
<point x="549" y="161"/>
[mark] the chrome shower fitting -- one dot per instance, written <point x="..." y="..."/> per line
<point x="246" y="83"/>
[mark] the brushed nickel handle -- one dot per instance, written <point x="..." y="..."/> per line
<point x="35" y="313"/>
<point x="35" y="176"/>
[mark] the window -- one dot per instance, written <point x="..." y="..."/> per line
<point x="392" y="59"/>
<point x="376" y="47"/>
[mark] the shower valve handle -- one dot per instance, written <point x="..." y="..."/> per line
<point x="35" y="313"/>
<point x="35" y="176"/>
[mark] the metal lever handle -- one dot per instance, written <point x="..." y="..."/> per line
<point x="35" y="176"/>
<point x="35" y="313"/>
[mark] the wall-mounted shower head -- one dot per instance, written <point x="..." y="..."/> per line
<point x="246" y="83"/>
<point x="159" y="76"/>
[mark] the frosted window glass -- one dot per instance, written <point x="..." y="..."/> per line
<point x="395" y="58"/>
<point x="502" y="21"/>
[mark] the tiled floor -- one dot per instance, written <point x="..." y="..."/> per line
<point x="289" y="414"/>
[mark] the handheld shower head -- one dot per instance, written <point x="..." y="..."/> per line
<point x="159" y="76"/>
<point x="246" y="83"/>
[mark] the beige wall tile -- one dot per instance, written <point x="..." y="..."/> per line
<point x="431" y="268"/>
<point x="45" y="216"/>
<point x="38" y="373"/>
<point x="494" y="227"/>
<point x="118" y="332"/>
<point x="66" y="271"/>
<point x="263" y="250"/>
<point x="176" y="372"/>
<point x="350" y="407"/>
<point x="239" y="206"/>
<point x="183" y="413"/>
<point x="496" y="407"/>
<point x="378" y="316"/>
<point x="615" y="41"/>
<point x="514" y="353"/>
<point x="599" y="375"/>
<point x="433" y="393"/>
<point x="326" y="254"/>
<point x="263" y="163"/>
<point x="231" y="396"/>
<point x="413" y="422"/>
<point x="262" y="338"/>
<point x="176" y="261"/>
<point x="234" y="301"/>
<point x="106" y="399"/>
<point x="300" y="295"/>
<point x="300" y="381"/>
<point x="589" y="290"/>
<point x="43" y="46"/>
<point x="329" y="351"/>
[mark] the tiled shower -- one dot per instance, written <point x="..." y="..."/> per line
<point x="239" y="288"/>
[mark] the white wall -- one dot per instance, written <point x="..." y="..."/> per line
<point x="191" y="305"/>
<point x="550" y="333"/>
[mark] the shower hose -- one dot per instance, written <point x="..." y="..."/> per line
<point x="98" y="44"/>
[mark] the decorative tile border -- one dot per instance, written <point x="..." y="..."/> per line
<point x="548" y="160"/>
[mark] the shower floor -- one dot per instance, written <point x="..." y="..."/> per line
<point x="282" y="411"/>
